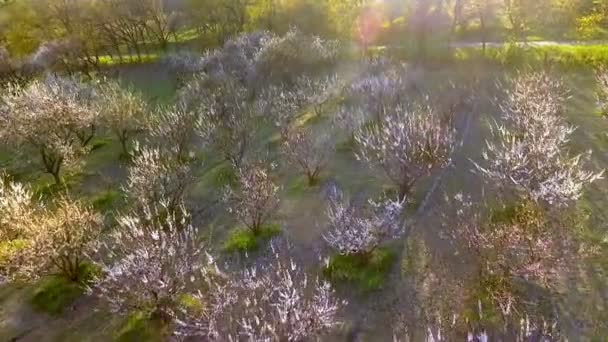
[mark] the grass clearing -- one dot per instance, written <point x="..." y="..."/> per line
<point x="55" y="293"/>
<point x="108" y="61"/>
<point x="368" y="273"/>
<point x="107" y="200"/>
<point x="245" y="240"/>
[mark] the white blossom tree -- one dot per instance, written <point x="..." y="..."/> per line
<point x="123" y="112"/>
<point x="277" y="302"/>
<point x="307" y="152"/>
<point x="528" y="153"/>
<point x="284" y="58"/>
<point x="318" y="91"/>
<point x="156" y="174"/>
<point x="281" y="104"/>
<point x="349" y="120"/>
<point x="38" y="239"/>
<point x="183" y="63"/>
<point x="54" y="116"/>
<point x="360" y="229"/>
<point x="175" y="127"/>
<point x="62" y="55"/>
<point x="255" y="198"/>
<point x="377" y="95"/>
<point x="238" y="58"/>
<point x="149" y="261"/>
<point x="407" y="144"/>
<point x="226" y="116"/>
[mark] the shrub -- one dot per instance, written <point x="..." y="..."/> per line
<point x="245" y="240"/>
<point x="367" y="272"/>
<point x="55" y="293"/>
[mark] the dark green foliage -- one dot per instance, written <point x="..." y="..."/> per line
<point x="223" y="175"/>
<point x="99" y="144"/>
<point x="107" y="200"/>
<point x="246" y="240"/>
<point x="367" y="272"/>
<point x="301" y="185"/>
<point x="191" y="304"/>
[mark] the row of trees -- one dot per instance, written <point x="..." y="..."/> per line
<point x="119" y="28"/>
<point x="521" y="241"/>
<point x="154" y="260"/>
<point x="85" y="32"/>
<point x="488" y="20"/>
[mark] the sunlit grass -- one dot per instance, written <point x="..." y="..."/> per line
<point x="128" y="59"/>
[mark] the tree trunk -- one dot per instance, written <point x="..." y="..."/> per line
<point x="123" y="137"/>
<point x="404" y="190"/>
<point x="57" y="177"/>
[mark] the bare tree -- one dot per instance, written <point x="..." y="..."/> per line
<point x="407" y="145"/>
<point x="152" y="256"/>
<point x="54" y="117"/>
<point x="360" y="229"/>
<point x="529" y="154"/>
<point x="40" y="240"/>
<point x="255" y="199"/>
<point x="307" y="152"/>
<point x="123" y="111"/>
<point x="277" y="302"/>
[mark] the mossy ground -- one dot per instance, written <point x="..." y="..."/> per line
<point x="368" y="272"/>
<point x="139" y="326"/>
<point x="107" y="200"/>
<point x="245" y="240"/>
<point x="55" y="293"/>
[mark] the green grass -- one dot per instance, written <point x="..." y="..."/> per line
<point x="191" y="304"/>
<point x="562" y="55"/>
<point x="368" y="273"/>
<point x="301" y="186"/>
<point x="9" y="248"/>
<point x="107" y="200"/>
<point x="54" y="293"/>
<point x="46" y="188"/>
<point x="244" y="240"/>
<point x="185" y="36"/>
<point x="140" y="327"/>
<point x="221" y="175"/>
<point x="128" y="59"/>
